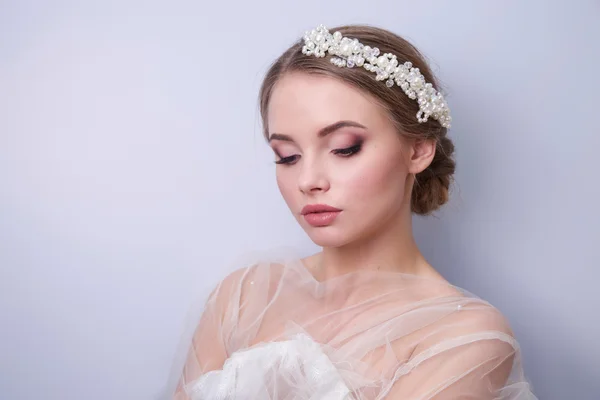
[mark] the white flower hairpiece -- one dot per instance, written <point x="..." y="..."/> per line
<point x="347" y="52"/>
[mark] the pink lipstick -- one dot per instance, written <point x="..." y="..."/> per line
<point x="320" y="214"/>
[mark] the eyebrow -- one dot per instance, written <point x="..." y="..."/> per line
<point x="322" y="132"/>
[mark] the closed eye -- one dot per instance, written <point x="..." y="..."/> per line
<point x="287" y="160"/>
<point x="348" y="151"/>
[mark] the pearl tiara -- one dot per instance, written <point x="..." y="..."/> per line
<point x="348" y="52"/>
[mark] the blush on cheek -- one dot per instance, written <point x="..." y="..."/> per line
<point x="380" y="177"/>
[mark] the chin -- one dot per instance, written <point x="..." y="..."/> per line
<point x="328" y="236"/>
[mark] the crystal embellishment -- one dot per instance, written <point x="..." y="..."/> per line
<point x="350" y="53"/>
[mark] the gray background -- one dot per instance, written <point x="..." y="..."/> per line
<point x="133" y="175"/>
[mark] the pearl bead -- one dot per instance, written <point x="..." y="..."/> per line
<point x="349" y="52"/>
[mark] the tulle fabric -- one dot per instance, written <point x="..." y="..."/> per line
<point x="272" y="331"/>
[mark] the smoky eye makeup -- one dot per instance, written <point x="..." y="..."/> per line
<point x="348" y="151"/>
<point x="342" y="145"/>
<point x="349" y="145"/>
<point x="284" y="159"/>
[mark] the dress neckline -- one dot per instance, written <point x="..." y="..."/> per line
<point x="301" y="266"/>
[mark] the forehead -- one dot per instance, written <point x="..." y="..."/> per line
<point x="301" y="101"/>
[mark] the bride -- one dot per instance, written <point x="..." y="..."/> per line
<point x="359" y="133"/>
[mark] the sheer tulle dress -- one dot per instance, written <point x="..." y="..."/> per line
<point x="272" y="331"/>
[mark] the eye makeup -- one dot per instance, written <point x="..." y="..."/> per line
<point x="287" y="160"/>
<point x="342" y="149"/>
<point x="350" y="151"/>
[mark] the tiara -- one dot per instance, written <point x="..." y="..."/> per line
<point x="348" y="52"/>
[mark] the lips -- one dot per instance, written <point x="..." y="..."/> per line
<point x="318" y="208"/>
<point x="320" y="214"/>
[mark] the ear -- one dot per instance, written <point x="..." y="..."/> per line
<point x="421" y="155"/>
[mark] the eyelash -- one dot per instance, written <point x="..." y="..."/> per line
<point x="347" y="152"/>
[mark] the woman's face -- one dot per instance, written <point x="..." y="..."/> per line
<point x="335" y="146"/>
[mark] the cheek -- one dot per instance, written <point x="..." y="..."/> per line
<point x="377" y="180"/>
<point x="286" y="186"/>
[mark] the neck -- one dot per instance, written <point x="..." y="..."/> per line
<point x="392" y="248"/>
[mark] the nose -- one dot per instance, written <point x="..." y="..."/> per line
<point x="312" y="178"/>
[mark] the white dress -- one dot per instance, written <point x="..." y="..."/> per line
<point x="301" y="368"/>
<point x="272" y="331"/>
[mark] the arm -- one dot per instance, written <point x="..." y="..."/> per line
<point x="473" y="366"/>
<point x="471" y="354"/>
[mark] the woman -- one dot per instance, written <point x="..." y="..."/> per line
<point x="359" y="132"/>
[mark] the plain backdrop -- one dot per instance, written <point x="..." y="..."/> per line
<point x="133" y="175"/>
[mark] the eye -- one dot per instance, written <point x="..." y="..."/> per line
<point x="287" y="160"/>
<point x="348" y="151"/>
